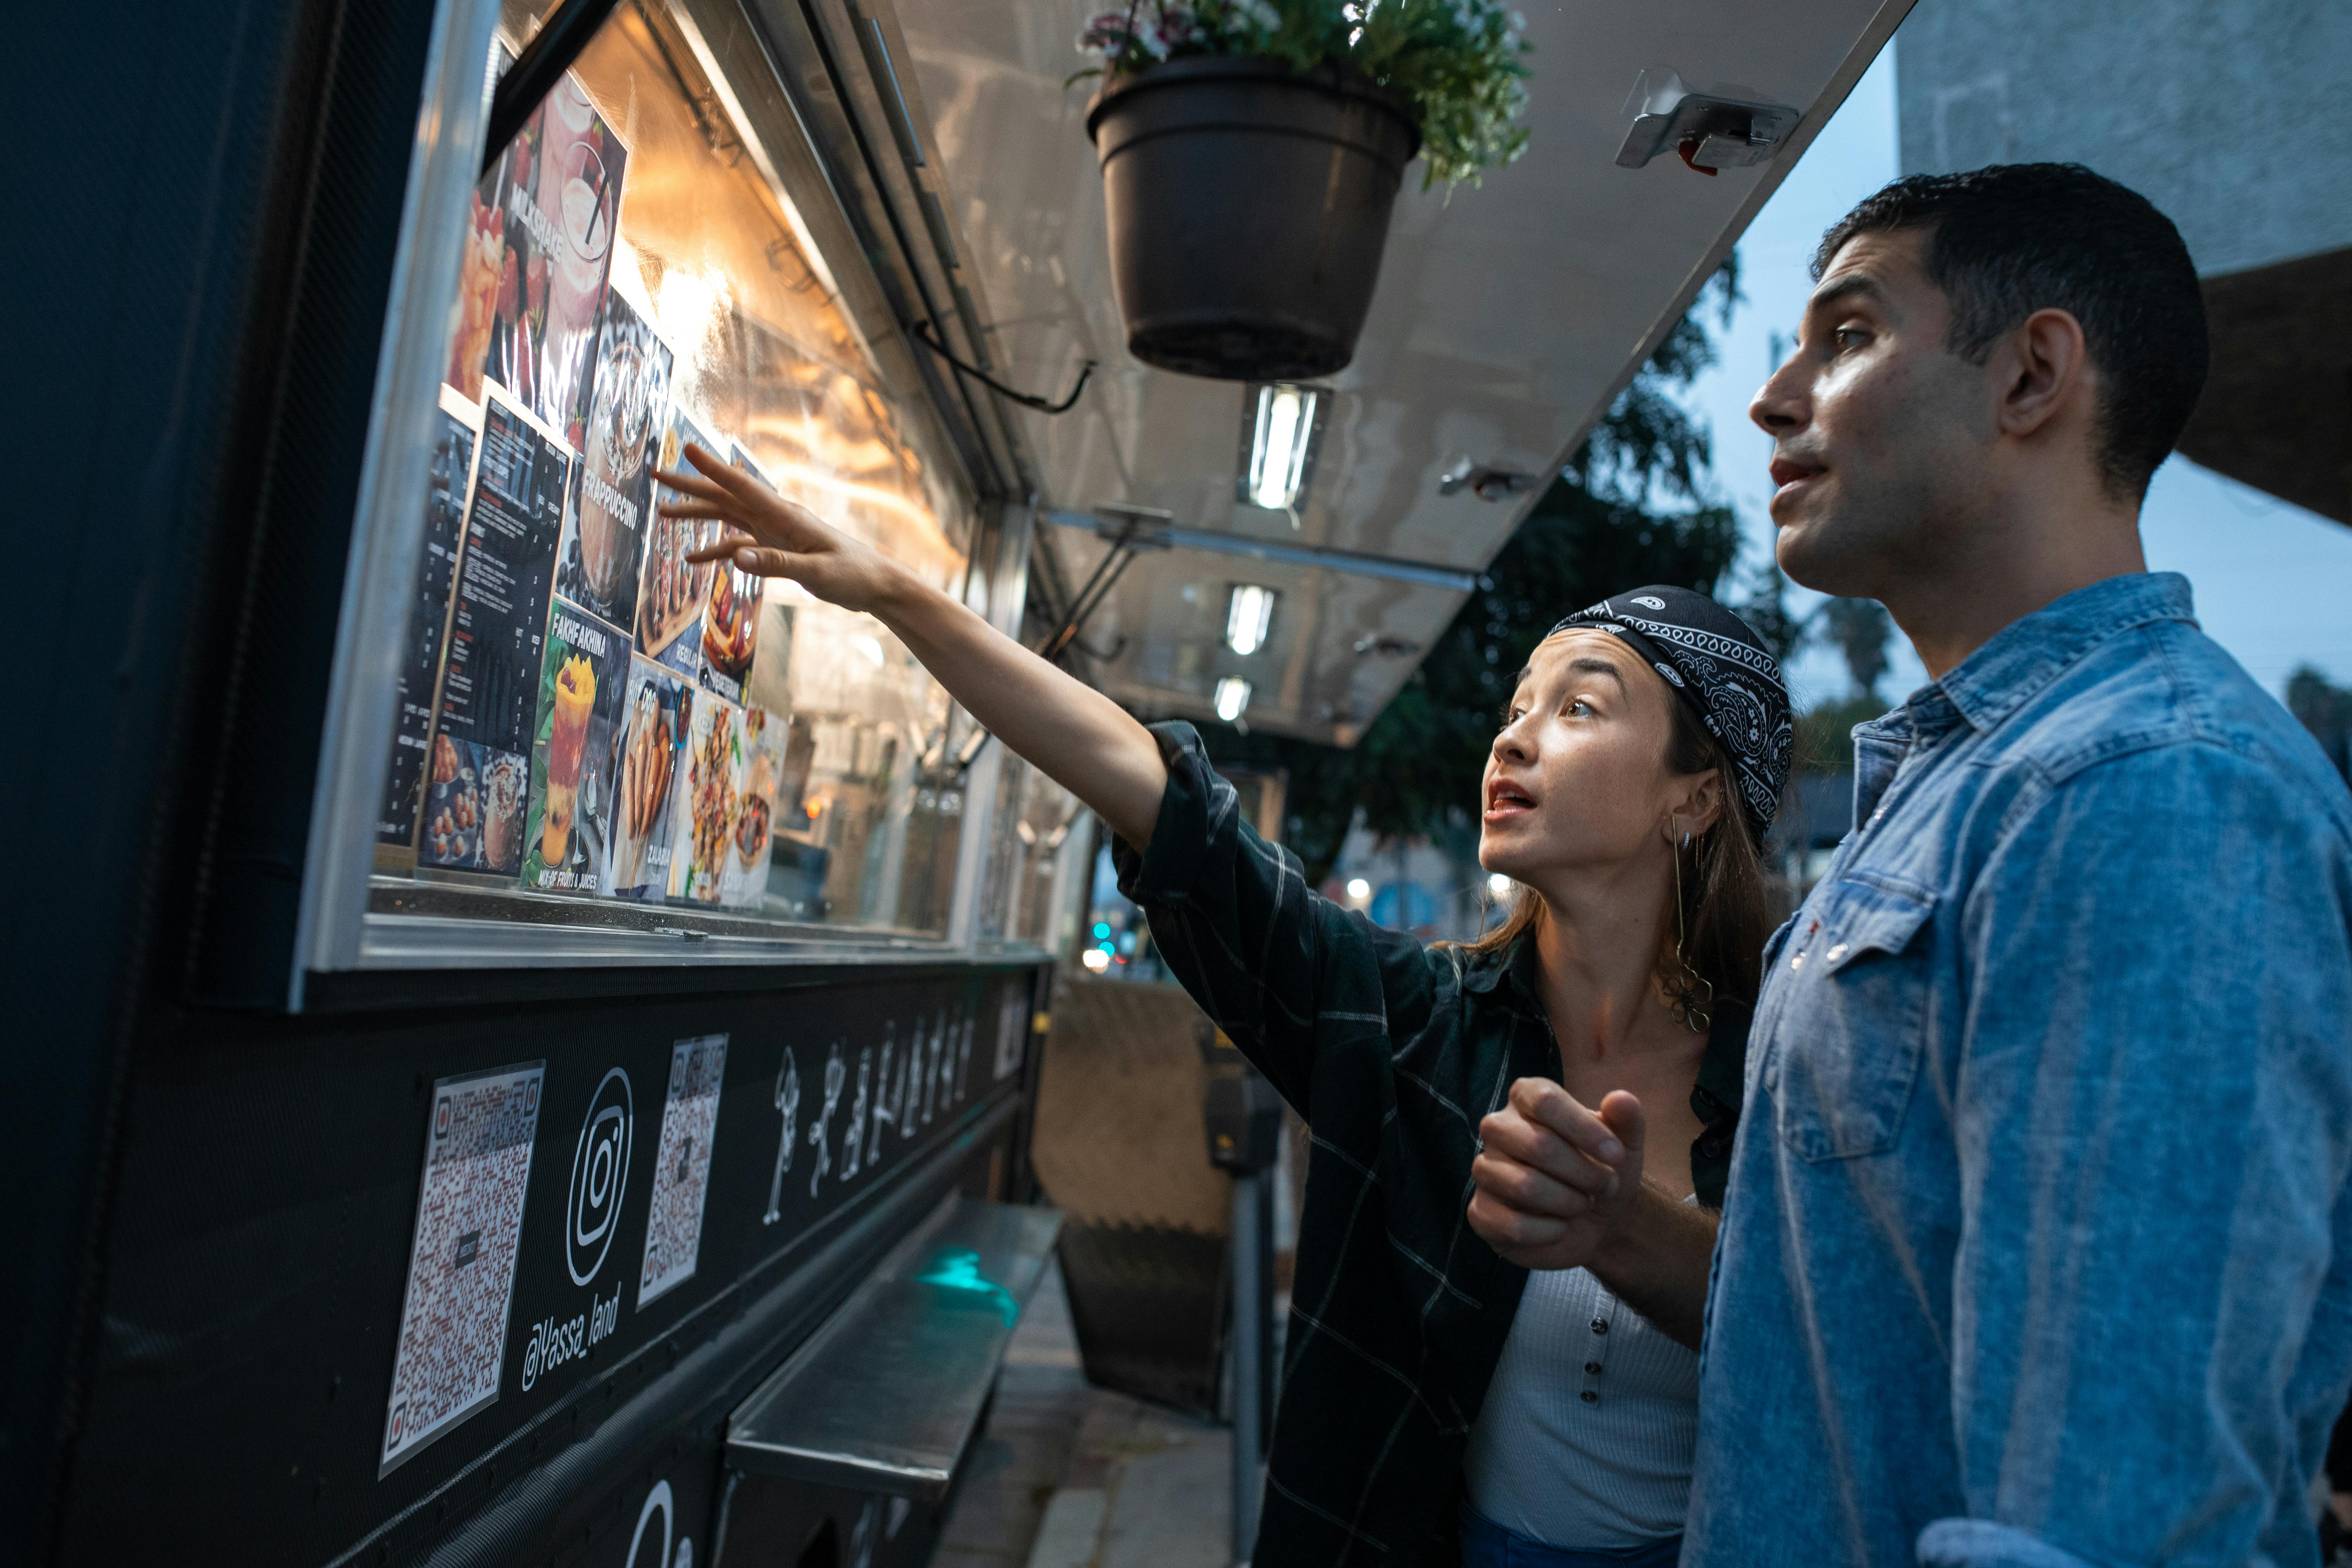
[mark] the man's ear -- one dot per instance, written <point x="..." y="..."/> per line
<point x="2041" y="368"/>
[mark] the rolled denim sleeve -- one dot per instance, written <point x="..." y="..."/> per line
<point x="1268" y="960"/>
<point x="2153" y="1108"/>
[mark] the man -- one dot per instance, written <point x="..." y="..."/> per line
<point x="2036" y="1250"/>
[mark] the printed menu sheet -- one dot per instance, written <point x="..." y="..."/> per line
<point x="698" y="1069"/>
<point x="569" y="829"/>
<point x="599" y="561"/>
<point x="461" y="1260"/>
<point x="452" y="474"/>
<point x="655" y="719"/>
<point x="490" y="682"/>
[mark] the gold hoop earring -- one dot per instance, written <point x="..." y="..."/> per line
<point x="1689" y="993"/>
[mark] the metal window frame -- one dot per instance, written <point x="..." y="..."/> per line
<point x="337" y="930"/>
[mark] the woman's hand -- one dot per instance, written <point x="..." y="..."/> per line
<point x="1071" y="732"/>
<point x="773" y="537"/>
<point x="1556" y="1179"/>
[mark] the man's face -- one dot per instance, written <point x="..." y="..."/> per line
<point x="1880" y="433"/>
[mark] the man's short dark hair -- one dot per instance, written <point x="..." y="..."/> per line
<point x="2008" y="240"/>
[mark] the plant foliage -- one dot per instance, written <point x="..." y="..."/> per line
<point x="1460" y="64"/>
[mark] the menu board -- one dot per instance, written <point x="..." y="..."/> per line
<point x="584" y="712"/>
<point x="428" y="615"/>
<point x="670" y="600"/>
<point x="490" y="680"/>
<point x="599" y="563"/>
<point x="655" y="720"/>
<point x="567" y="837"/>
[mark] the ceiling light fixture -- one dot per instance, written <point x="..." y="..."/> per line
<point x="1279" y="434"/>
<point x="1248" y="616"/>
<point x="1233" y="697"/>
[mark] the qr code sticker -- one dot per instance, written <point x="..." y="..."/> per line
<point x="461" y="1262"/>
<point x="682" y="1165"/>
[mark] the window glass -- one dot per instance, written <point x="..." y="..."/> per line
<point x="584" y="715"/>
<point x="1036" y="864"/>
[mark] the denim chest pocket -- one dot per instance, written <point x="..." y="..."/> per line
<point x="1854" y="1027"/>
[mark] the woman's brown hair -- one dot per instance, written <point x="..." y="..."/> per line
<point x="1720" y="881"/>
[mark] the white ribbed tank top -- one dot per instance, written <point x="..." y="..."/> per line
<point x="1585" y="1439"/>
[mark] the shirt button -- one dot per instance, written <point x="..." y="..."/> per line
<point x="1594" y="1367"/>
<point x="1798" y="961"/>
<point x="1599" y="1325"/>
<point x="1837" y="953"/>
<point x="1590" y="1398"/>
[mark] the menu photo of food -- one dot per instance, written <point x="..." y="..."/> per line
<point x="743" y="871"/>
<point x="708" y="798"/>
<point x="671" y="596"/>
<point x="473" y="808"/>
<point x="656" y="718"/>
<point x="730" y="617"/>
<point x="599" y="562"/>
<point x="568" y="833"/>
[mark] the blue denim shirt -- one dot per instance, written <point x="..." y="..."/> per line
<point x="2037" y="1250"/>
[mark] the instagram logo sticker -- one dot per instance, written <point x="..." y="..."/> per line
<point x="599" y="1175"/>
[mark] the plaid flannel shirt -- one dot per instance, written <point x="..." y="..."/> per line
<point x="1392" y="1052"/>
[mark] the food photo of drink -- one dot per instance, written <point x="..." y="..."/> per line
<point x="599" y="562"/>
<point x="568" y="827"/>
<point x="655" y="720"/>
<point x="578" y="190"/>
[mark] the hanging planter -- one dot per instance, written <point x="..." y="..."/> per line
<point x="1251" y="154"/>
<point x="1248" y="205"/>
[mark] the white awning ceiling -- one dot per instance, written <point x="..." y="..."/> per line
<point x="1506" y="320"/>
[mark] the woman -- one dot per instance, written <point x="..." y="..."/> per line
<point x="1643" y="753"/>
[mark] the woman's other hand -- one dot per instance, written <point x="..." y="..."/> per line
<point x="1555" y="1178"/>
<point x="770" y="536"/>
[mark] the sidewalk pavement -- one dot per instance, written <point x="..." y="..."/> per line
<point x="1070" y="1475"/>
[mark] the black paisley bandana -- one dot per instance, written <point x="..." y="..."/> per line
<point x="1717" y="666"/>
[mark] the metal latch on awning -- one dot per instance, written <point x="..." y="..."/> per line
<point x="1726" y="127"/>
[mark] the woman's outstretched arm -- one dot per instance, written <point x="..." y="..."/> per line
<point x="1070" y="731"/>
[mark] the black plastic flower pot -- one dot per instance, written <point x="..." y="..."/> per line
<point x="1249" y="206"/>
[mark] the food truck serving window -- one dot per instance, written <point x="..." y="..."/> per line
<point x="591" y="731"/>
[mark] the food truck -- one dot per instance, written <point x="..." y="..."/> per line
<point x="526" y="1043"/>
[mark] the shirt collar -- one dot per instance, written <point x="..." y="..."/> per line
<point x="2031" y="651"/>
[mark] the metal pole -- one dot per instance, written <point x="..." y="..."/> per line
<point x="1250" y="1303"/>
